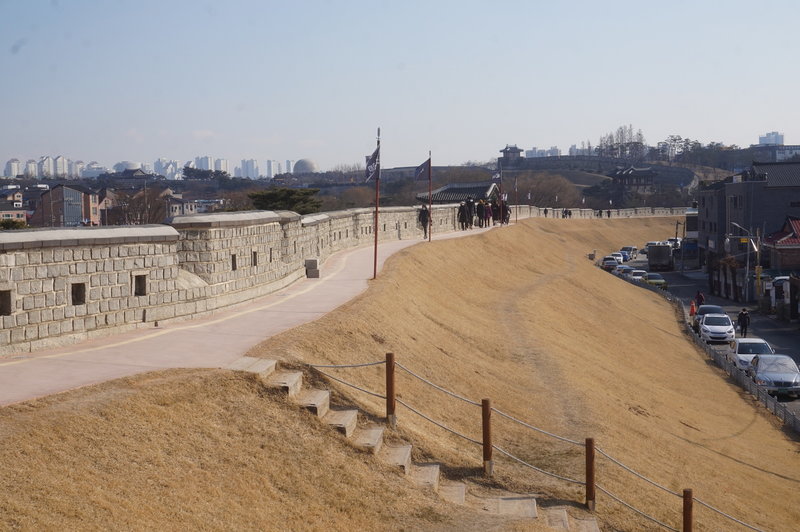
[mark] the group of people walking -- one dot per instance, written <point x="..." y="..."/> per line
<point x="483" y="213"/>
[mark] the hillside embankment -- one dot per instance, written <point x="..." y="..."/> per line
<point x="517" y="315"/>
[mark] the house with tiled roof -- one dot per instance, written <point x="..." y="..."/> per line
<point x="784" y="246"/>
<point x="458" y="192"/>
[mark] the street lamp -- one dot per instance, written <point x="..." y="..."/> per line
<point x="747" y="264"/>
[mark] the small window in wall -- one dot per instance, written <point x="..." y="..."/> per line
<point x="78" y="293"/>
<point x="5" y="302"/>
<point x="295" y="248"/>
<point x="270" y="254"/>
<point x="255" y="259"/>
<point x="340" y="235"/>
<point x="405" y="225"/>
<point x="384" y="227"/>
<point x="140" y="285"/>
<point x="346" y="233"/>
<point x="233" y="262"/>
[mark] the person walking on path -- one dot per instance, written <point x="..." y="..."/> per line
<point x="424" y="219"/>
<point x="700" y="298"/>
<point x="744" y="322"/>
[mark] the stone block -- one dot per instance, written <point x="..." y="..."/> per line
<point x="78" y="324"/>
<point x="22" y="319"/>
<point x="9" y="322"/>
<point x="31" y="332"/>
<point x="69" y="311"/>
<point x="27" y="303"/>
<point x="5" y="337"/>
<point x="50" y="299"/>
<point x="39" y="301"/>
<point x="53" y="329"/>
<point x="93" y="307"/>
<point x="47" y="314"/>
<point x="23" y="288"/>
<point x="17" y="335"/>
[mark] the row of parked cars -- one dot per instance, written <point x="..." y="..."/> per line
<point x="615" y="263"/>
<point x="777" y="373"/>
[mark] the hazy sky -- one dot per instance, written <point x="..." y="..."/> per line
<point x="113" y="80"/>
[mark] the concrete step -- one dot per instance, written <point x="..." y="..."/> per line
<point x="317" y="401"/>
<point x="397" y="455"/>
<point x="289" y="381"/>
<point x="519" y="506"/>
<point x="425" y="475"/>
<point x="344" y="420"/>
<point x="453" y="492"/>
<point x="261" y="366"/>
<point x="556" y="518"/>
<point x="584" y="525"/>
<point x="369" y="438"/>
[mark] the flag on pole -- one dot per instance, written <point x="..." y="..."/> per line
<point x="373" y="163"/>
<point x="421" y="173"/>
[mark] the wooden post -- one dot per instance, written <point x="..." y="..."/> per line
<point x="590" y="493"/>
<point x="488" y="463"/>
<point x="391" y="404"/>
<point x="687" y="510"/>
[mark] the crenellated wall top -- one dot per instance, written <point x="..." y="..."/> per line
<point x="84" y="236"/>
<point x="232" y="219"/>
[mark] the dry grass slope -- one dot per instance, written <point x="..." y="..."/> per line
<point x="519" y="316"/>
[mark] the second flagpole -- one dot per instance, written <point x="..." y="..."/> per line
<point x="377" y="202"/>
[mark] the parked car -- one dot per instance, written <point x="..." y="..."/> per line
<point x="655" y="279"/>
<point x="777" y="373"/>
<point x="703" y="310"/>
<point x="742" y="351"/>
<point x="632" y="251"/>
<point x="674" y="242"/>
<point x="716" y="328"/>
<point x="625" y="255"/>
<point x="609" y="264"/>
<point x="638" y="275"/>
<point x="617" y="255"/>
<point x="623" y="270"/>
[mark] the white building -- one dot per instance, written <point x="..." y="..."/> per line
<point x="272" y="168"/>
<point x="76" y="168"/>
<point x="773" y="138"/>
<point x="204" y="163"/>
<point x="13" y="168"/>
<point x="60" y="166"/>
<point x="94" y="169"/>
<point x="31" y="168"/>
<point x="289" y="166"/>
<point x="45" y="166"/>
<point x="250" y="168"/>
<point x="221" y="165"/>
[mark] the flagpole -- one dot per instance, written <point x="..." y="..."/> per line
<point x="430" y="197"/>
<point x="516" y="201"/>
<point x="377" y="201"/>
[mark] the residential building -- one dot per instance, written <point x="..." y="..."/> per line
<point x="289" y="166"/>
<point x="76" y="169"/>
<point x="204" y="163"/>
<point x="45" y="167"/>
<point x="178" y="206"/>
<point x="12" y="210"/>
<point x="221" y="165"/>
<point x="772" y="138"/>
<point x="13" y="168"/>
<point x="250" y="168"/>
<point x="66" y="206"/>
<point x="94" y="169"/>
<point x="31" y="169"/>
<point x="60" y="167"/>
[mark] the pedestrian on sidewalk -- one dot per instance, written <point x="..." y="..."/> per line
<point x="744" y="322"/>
<point x="424" y="219"/>
<point x="700" y="298"/>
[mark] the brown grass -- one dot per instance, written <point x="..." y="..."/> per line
<point x="519" y="316"/>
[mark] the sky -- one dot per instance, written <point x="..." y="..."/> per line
<point x="114" y="80"/>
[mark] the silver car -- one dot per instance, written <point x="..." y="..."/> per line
<point x="777" y="373"/>
<point x="742" y="351"/>
<point x="716" y="328"/>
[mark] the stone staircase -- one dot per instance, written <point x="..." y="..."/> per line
<point x="370" y="438"/>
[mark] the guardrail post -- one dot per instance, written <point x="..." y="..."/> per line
<point x="590" y="493"/>
<point x="391" y="403"/>
<point x="687" y="510"/>
<point x="486" y="411"/>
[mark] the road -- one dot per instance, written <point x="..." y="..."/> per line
<point x="783" y="336"/>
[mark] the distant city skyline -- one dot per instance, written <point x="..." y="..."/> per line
<point x="461" y="78"/>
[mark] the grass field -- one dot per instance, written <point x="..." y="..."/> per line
<point x="518" y="315"/>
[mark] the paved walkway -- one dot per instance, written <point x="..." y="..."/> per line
<point x="214" y="341"/>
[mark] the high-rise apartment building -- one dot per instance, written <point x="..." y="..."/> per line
<point x="221" y="165"/>
<point x="272" y="168"/>
<point x="13" y="167"/>
<point x="250" y="168"/>
<point x="773" y="138"/>
<point x="75" y="168"/>
<point x="60" y="166"/>
<point x="45" y="169"/>
<point x="31" y="168"/>
<point x="204" y="163"/>
<point x="289" y="166"/>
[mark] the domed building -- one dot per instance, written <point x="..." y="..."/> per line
<point x="305" y="166"/>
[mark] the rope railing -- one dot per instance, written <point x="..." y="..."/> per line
<point x="487" y="443"/>
<point x="650" y="517"/>
<point x="379" y="396"/>
<point x="444" y="390"/>
<point x="720" y="512"/>
<point x="634" y="473"/>
<point x="537" y="429"/>
<point x="440" y="425"/>
<point x="526" y="464"/>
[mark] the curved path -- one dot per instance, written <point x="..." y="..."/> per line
<point x="213" y="341"/>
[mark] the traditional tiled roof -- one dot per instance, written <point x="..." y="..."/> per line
<point x="788" y="236"/>
<point x="786" y="174"/>
<point x="457" y="192"/>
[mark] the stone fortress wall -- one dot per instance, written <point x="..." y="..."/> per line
<point x="60" y="286"/>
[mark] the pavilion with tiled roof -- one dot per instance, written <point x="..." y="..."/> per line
<point x="458" y="192"/>
<point x="784" y="245"/>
